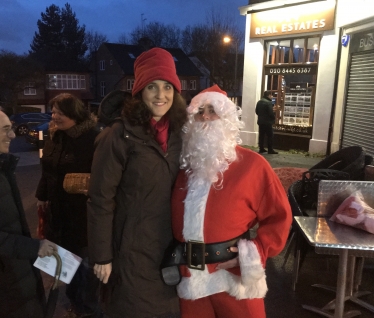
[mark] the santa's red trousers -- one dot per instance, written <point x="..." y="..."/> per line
<point x="222" y="305"/>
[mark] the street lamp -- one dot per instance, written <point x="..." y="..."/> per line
<point x="227" y="39"/>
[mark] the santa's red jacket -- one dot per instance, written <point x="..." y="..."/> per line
<point x="251" y="194"/>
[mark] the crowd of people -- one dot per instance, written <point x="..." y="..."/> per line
<point x="164" y="228"/>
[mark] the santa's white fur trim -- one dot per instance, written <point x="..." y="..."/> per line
<point x="194" y="210"/>
<point x="203" y="283"/>
<point x="223" y="106"/>
<point x="251" y="284"/>
<point x="250" y="264"/>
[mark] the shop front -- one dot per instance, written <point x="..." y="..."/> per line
<point x="317" y="58"/>
<point x="292" y="52"/>
<point x="357" y="105"/>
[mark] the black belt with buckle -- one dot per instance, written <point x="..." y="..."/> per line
<point x="195" y="254"/>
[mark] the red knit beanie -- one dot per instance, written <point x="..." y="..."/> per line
<point x="155" y="64"/>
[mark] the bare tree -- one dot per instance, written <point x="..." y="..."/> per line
<point x="158" y="34"/>
<point x="93" y="40"/>
<point x="206" y="42"/>
<point x="172" y="37"/>
<point x="123" y="39"/>
<point x="136" y="35"/>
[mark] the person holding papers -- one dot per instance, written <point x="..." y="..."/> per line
<point x="70" y="150"/>
<point x="21" y="286"/>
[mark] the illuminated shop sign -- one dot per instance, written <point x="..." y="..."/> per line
<point x="362" y="42"/>
<point x="306" y="18"/>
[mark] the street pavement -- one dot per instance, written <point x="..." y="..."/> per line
<point x="281" y="301"/>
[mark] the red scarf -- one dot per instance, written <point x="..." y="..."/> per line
<point x="161" y="128"/>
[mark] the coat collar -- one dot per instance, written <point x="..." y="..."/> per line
<point x="8" y="161"/>
<point x="139" y="135"/>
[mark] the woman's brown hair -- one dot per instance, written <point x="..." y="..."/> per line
<point x="71" y="107"/>
<point x="138" y="113"/>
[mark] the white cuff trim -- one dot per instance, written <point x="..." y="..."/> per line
<point x="252" y="271"/>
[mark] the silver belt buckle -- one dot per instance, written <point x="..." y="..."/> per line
<point x="201" y="244"/>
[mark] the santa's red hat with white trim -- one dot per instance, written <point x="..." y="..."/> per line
<point x="216" y="97"/>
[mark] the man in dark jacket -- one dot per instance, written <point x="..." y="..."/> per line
<point x="21" y="286"/>
<point x="265" y="121"/>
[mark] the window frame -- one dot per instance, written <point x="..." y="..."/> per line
<point x="193" y="85"/>
<point x="29" y="89"/>
<point x="102" y="89"/>
<point x="67" y="81"/>
<point x="274" y="59"/>
<point x="130" y="84"/>
<point x="184" y="86"/>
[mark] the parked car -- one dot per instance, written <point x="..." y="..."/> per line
<point x="21" y="122"/>
<point x="32" y="135"/>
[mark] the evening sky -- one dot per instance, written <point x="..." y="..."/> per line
<point x="18" y="18"/>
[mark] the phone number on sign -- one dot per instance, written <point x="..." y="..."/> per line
<point x="292" y="70"/>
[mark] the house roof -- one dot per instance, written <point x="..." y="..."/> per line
<point x="58" y="62"/>
<point x="126" y="54"/>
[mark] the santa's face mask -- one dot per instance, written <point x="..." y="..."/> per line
<point x="206" y="113"/>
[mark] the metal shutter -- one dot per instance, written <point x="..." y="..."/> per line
<point x="358" y="126"/>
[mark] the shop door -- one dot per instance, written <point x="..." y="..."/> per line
<point x="358" y="125"/>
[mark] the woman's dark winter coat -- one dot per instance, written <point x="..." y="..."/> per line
<point x="68" y="151"/>
<point x="21" y="286"/>
<point x="129" y="221"/>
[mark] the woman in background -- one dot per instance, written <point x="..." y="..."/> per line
<point x="70" y="149"/>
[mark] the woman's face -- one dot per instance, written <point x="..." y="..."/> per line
<point x="61" y="121"/>
<point x="158" y="96"/>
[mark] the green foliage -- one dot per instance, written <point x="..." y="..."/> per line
<point x="59" y="35"/>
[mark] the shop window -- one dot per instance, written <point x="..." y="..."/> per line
<point x="298" y="51"/>
<point x="290" y="74"/>
<point x="312" y="50"/>
<point x="279" y="52"/>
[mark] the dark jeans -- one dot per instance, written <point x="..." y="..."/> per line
<point x="265" y="129"/>
<point x="83" y="290"/>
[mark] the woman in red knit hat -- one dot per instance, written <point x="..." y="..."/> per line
<point x="134" y="168"/>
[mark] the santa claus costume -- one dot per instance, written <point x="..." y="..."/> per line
<point x="222" y="192"/>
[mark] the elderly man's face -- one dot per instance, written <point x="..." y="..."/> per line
<point x="206" y="113"/>
<point x="6" y="133"/>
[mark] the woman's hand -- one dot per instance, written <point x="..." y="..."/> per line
<point x="103" y="272"/>
<point x="46" y="248"/>
<point x="43" y="204"/>
<point x="232" y="262"/>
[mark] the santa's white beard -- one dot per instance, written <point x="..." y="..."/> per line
<point x="208" y="149"/>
